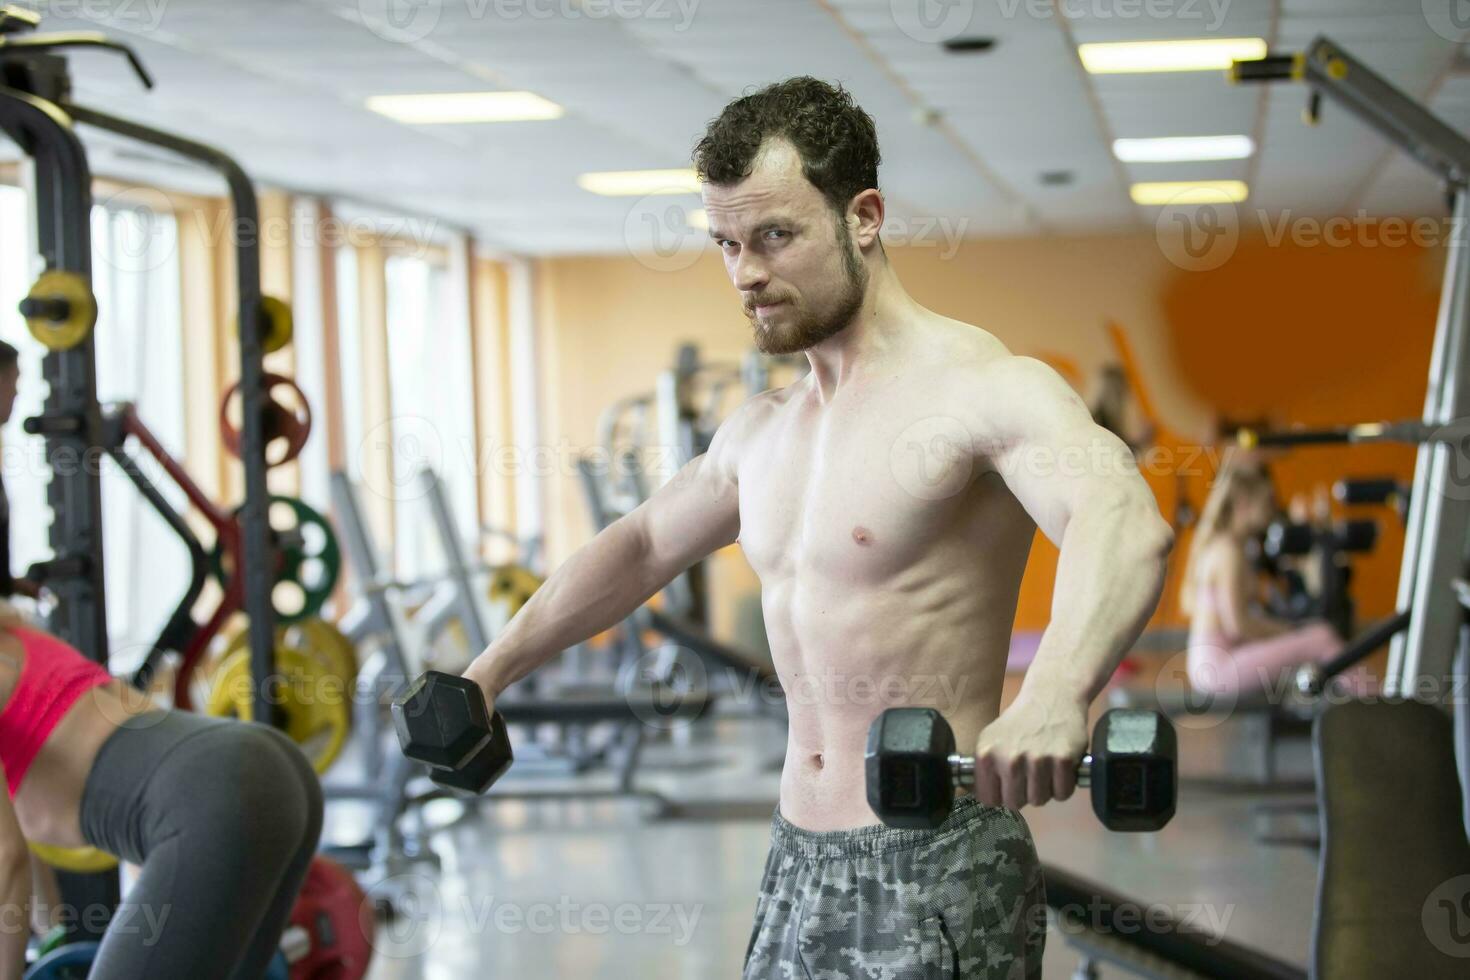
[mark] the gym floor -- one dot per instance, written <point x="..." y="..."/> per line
<point x="595" y="888"/>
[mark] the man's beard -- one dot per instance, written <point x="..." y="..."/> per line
<point x="806" y="329"/>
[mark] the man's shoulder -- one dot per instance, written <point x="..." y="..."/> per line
<point x="764" y="406"/>
<point x="977" y="369"/>
<point x="748" y="420"/>
<point x="999" y="396"/>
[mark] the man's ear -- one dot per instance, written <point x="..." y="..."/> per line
<point x="865" y="216"/>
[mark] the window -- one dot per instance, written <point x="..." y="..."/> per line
<point x="349" y="352"/>
<point x="25" y="471"/>
<point x="135" y="274"/>
<point x="431" y="388"/>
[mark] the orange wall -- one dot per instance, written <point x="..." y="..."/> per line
<point x="1299" y="334"/>
<point x="1317" y="336"/>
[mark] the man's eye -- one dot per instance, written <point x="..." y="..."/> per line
<point x="775" y="232"/>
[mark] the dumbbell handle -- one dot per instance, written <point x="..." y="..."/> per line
<point x="963" y="768"/>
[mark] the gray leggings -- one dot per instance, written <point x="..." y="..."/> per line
<point x="224" y="817"/>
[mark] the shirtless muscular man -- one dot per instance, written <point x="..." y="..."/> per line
<point x="887" y="502"/>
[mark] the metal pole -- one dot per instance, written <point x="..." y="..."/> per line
<point x="1439" y="504"/>
<point x="70" y="419"/>
<point x="459" y="572"/>
<point x="257" y="549"/>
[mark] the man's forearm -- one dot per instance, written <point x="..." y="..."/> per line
<point x="598" y="586"/>
<point x="1109" y="578"/>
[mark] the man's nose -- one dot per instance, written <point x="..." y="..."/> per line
<point x="750" y="273"/>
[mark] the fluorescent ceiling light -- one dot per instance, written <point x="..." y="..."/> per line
<point x="637" y="183"/>
<point x="1174" y="149"/>
<point x="1183" y="193"/>
<point x="465" y="107"/>
<point x="698" y="219"/>
<point x="1193" y="55"/>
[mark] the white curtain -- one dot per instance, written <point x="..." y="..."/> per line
<point x="24" y="462"/>
<point x="306" y="307"/>
<point x="349" y="352"/>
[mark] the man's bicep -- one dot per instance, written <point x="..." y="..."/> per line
<point x="695" y="513"/>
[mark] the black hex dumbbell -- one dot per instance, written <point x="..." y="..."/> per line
<point x="913" y="770"/>
<point x="442" y="720"/>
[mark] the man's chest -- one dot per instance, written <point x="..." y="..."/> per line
<point x="857" y="491"/>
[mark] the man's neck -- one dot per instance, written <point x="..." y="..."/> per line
<point x="883" y="323"/>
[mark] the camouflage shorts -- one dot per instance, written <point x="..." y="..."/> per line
<point x="965" y="900"/>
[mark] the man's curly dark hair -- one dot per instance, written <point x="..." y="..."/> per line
<point x="835" y="138"/>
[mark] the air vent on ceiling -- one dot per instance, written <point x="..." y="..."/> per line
<point x="969" y="45"/>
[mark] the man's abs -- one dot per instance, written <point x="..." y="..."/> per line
<point x="872" y="658"/>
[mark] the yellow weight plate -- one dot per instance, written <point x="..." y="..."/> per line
<point x="59" y="287"/>
<point x="513" y="585"/>
<point x="318" y="715"/>
<point x="87" y="860"/>
<point x="277" y="326"/>
<point x="317" y="637"/>
<point x="328" y="644"/>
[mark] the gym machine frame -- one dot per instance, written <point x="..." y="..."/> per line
<point x="374" y="621"/>
<point x="37" y="115"/>
<point x="1438" y="519"/>
<point x="37" y="112"/>
<point x="63" y="189"/>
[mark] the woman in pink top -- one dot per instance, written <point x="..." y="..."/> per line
<point x="222" y="817"/>
<point x="1233" y="648"/>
